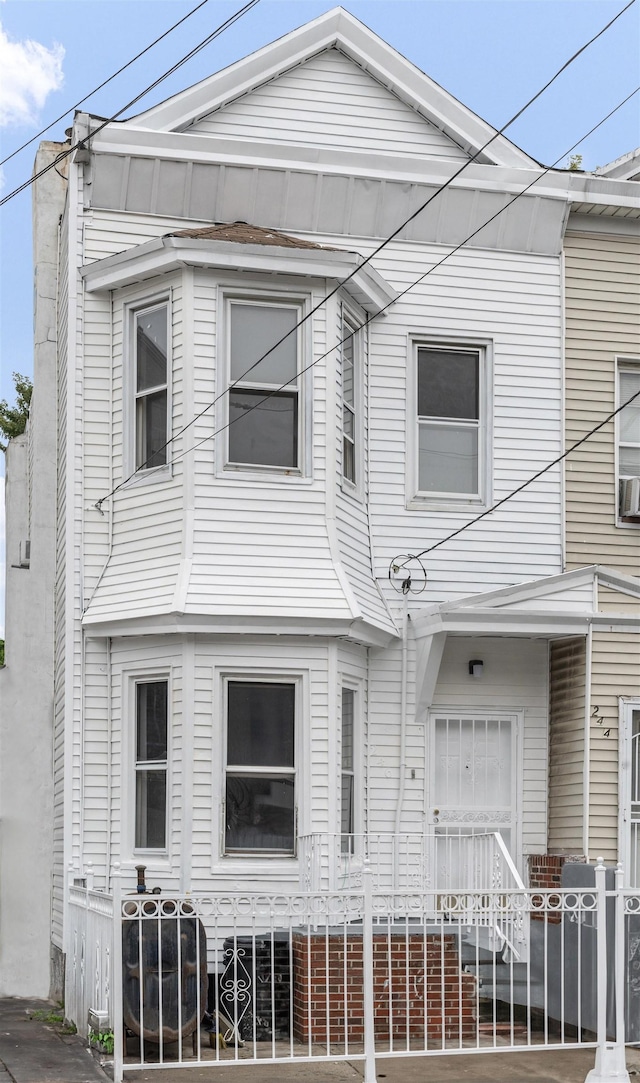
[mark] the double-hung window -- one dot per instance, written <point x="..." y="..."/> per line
<point x="350" y="343"/>
<point x="151" y="709"/>
<point x="449" y="400"/>
<point x="629" y="442"/>
<point x="151" y="386"/>
<point x="260" y="770"/>
<point x="265" y="411"/>
<point x="347" y="776"/>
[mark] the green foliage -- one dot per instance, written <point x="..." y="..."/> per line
<point x="575" y="163"/>
<point x="13" y="419"/>
<point x="47" y="1015"/>
<point x="103" y="1038"/>
<point x="1" y="652"/>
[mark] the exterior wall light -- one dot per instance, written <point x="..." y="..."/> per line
<point x="476" y="666"/>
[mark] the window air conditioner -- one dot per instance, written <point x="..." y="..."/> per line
<point x="630" y="498"/>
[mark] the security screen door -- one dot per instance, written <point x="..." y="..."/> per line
<point x="473" y="791"/>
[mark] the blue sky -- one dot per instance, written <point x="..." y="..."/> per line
<point x="491" y="54"/>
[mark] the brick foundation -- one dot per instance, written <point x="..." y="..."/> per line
<point x="328" y="987"/>
<point x="545" y="872"/>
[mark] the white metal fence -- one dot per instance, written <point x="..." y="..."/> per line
<point x="89" y="957"/>
<point x="360" y="975"/>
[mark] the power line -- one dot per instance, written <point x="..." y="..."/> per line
<point x="525" y="484"/>
<point x="81" y="143"/>
<point x="367" y="321"/>
<point x="380" y="247"/>
<point x="109" y="80"/>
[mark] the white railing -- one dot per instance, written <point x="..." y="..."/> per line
<point x="206" y="980"/>
<point x="451" y="861"/>
<point x="89" y="959"/>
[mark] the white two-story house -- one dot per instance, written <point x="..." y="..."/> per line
<point x="265" y="410"/>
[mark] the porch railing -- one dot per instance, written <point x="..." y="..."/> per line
<point x="451" y="861"/>
<point x="89" y="956"/>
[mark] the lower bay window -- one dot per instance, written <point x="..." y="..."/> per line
<point x="260" y="800"/>
<point x="151" y="762"/>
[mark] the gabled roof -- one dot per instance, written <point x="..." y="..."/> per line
<point x="627" y="167"/>
<point x="564" y="604"/>
<point x="340" y="30"/>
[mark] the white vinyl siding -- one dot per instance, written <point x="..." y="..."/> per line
<point x="326" y="100"/>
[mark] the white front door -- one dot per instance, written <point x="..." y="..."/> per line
<point x="630" y="792"/>
<point x="473" y="792"/>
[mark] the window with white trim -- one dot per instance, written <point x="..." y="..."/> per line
<point x="151" y="764"/>
<point x="347" y="774"/>
<point x="629" y="443"/>
<point x="260" y="798"/>
<point x="151" y="376"/>
<point x="265" y="411"/>
<point x="450" y="426"/>
<point x="350" y="390"/>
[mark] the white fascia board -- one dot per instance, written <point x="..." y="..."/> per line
<point x="536" y="588"/>
<point x="626" y="584"/>
<point x="605" y="224"/>
<point x="337" y="28"/>
<point x="359" y="631"/>
<point x="503" y="622"/>
<point x="165" y="254"/>
<point x="616" y="622"/>
<point x="602" y="191"/>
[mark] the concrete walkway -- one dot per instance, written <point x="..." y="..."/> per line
<point x="34" y="1049"/>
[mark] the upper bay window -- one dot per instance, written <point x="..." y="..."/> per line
<point x="151" y="386"/>
<point x="450" y="453"/>
<point x="351" y="374"/>
<point x="265" y="410"/>
<point x="629" y="443"/>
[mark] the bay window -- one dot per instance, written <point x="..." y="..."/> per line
<point x="151" y="762"/>
<point x="450" y="448"/>
<point x="260" y="767"/>
<point x="151" y="386"/>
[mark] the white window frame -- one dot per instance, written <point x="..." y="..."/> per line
<point x="623" y="364"/>
<point x="356" y="772"/>
<point x="130" y="311"/>
<point x="626" y="709"/>
<point x="445" y="501"/>
<point x="134" y="681"/>
<point x="299" y="302"/>
<point x="258" y="677"/>
<point x="348" y="318"/>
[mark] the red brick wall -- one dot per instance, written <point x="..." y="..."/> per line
<point x="545" y="871"/>
<point x="328" y="988"/>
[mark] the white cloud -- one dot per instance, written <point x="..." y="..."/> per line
<point x="30" y="71"/>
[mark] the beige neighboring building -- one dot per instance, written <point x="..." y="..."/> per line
<point x="594" y="786"/>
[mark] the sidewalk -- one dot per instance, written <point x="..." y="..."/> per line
<point x="32" y="1050"/>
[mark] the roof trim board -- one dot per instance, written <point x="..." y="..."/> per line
<point x="336" y="29"/>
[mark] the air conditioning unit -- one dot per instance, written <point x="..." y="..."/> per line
<point x="630" y="498"/>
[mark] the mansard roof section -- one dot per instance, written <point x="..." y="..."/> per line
<point x="338" y="30"/>
<point x="565" y="604"/>
<point x="242" y="247"/>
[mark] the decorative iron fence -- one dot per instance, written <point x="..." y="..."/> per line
<point x="210" y="979"/>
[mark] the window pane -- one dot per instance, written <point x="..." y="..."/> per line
<point x="347" y="368"/>
<point x="348" y="460"/>
<point x="151" y="344"/>
<point x="151" y="810"/>
<point x="263" y="432"/>
<point x="629" y="462"/>
<point x="260" y="724"/>
<point x="346" y="807"/>
<point x="259" y="813"/>
<point x="348" y="697"/>
<point x="254" y="329"/>
<point x="151" y="721"/>
<point x="448" y="459"/>
<point x="151" y="430"/>
<point x="630" y="416"/>
<point x="448" y="384"/>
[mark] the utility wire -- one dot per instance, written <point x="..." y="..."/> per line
<point x="367" y="321"/>
<point x="377" y="250"/>
<point x="525" y="484"/>
<point x="82" y="143"/>
<point x="111" y="77"/>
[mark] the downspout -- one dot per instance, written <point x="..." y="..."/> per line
<point x="107" y="871"/>
<point x="403" y="714"/>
